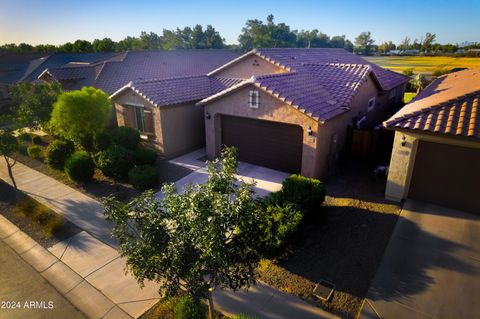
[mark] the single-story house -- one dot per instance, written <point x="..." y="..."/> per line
<point x="292" y="109"/>
<point x="436" y="151"/>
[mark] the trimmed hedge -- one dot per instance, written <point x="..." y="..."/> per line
<point x="126" y="136"/>
<point x="79" y="167"/>
<point x="58" y="152"/>
<point x="307" y="193"/>
<point x="116" y="161"/>
<point x="143" y="177"/>
<point x="34" y="151"/>
<point x="188" y="308"/>
<point x="102" y="141"/>
<point x="144" y="156"/>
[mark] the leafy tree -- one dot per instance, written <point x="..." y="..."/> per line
<point x="81" y="46"/>
<point x="257" y="34"/>
<point x="419" y="82"/>
<point x="80" y="115"/>
<point x="364" y="42"/>
<point x="213" y="40"/>
<point x="405" y="44"/>
<point x="8" y="149"/>
<point x="202" y="238"/>
<point x="66" y="48"/>
<point x="150" y="41"/>
<point x="427" y="41"/>
<point x="386" y="46"/>
<point x="312" y="39"/>
<point x="33" y="103"/>
<point x="103" y="45"/>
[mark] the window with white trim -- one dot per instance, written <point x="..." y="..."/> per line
<point x="140" y="118"/>
<point x="371" y="104"/>
<point x="253" y="99"/>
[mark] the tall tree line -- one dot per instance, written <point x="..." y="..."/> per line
<point x="255" y="33"/>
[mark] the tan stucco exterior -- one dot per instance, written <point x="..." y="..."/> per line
<point x="403" y="159"/>
<point x="176" y="128"/>
<point x="249" y="66"/>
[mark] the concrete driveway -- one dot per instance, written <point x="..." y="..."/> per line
<point x="431" y="266"/>
<point x="267" y="180"/>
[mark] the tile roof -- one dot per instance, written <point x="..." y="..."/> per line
<point x="113" y="74"/>
<point x="178" y="90"/>
<point x="321" y="91"/>
<point x="449" y="105"/>
<point x="13" y="66"/>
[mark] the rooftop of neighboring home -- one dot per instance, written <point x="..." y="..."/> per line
<point x="16" y="67"/>
<point x="112" y="74"/>
<point x="449" y="105"/>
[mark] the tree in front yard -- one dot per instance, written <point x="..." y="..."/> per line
<point x="81" y="115"/>
<point x="203" y="238"/>
<point x="8" y="149"/>
<point x="33" y="103"/>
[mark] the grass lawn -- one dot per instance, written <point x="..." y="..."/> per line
<point x="344" y="246"/>
<point x="408" y="96"/>
<point x="101" y="185"/>
<point x="423" y="64"/>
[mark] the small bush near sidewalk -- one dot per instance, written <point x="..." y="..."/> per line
<point x="116" y="161"/>
<point x="244" y="316"/>
<point x="143" y="177"/>
<point x="281" y="222"/>
<point x="34" y="151"/>
<point x="165" y="309"/>
<point x="144" y="156"/>
<point x="102" y="141"/>
<point x="307" y="193"/>
<point x="58" y="152"/>
<point x="40" y="214"/>
<point x="188" y="308"/>
<point x="79" y="167"/>
<point x="126" y="136"/>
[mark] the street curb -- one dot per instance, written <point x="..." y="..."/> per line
<point x="93" y="303"/>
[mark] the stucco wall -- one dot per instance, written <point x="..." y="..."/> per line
<point x="270" y="109"/>
<point x="249" y="66"/>
<point x="177" y="128"/>
<point x="183" y="128"/>
<point x="403" y="159"/>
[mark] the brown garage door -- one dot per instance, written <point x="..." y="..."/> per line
<point x="447" y="175"/>
<point x="265" y="143"/>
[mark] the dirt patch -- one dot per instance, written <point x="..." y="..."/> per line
<point x="344" y="245"/>
<point x="27" y="225"/>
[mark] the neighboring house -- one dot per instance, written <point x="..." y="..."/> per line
<point x="436" y="152"/>
<point x="293" y="108"/>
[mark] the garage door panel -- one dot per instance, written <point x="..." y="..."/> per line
<point x="264" y="143"/>
<point x="447" y="175"/>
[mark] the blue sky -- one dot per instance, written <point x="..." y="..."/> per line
<point x="59" y="21"/>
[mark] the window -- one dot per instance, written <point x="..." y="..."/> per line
<point x="254" y="99"/>
<point x="140" y="118"/>
<point x="371" y="104"/>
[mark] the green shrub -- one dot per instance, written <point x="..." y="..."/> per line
<point x="280" y="223"/>
<point x="57" y="153"/>
<point x="439" y="72"/>
<point x="102" y="141"/>
<point x="24" y="136"/>
<point x="34" y="151"/>
<point x="165" y="309"/>
<point x="143" y="177"/>
<point x="144" y="156"/>
<point x="79" y="167"/>
<point x="188" y="308"/>
<point x="37" y="140"/>
<point x="126" y="136"/>
<point x="307" y="193"/>
<point x="408" y="71"/>
<point x="116" y="161"/>
<point x="48" y="221"/>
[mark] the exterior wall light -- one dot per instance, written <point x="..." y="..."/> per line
<point x="404" y="140"/>
<point x="309" y="131"/>
<point x="207" y="116"/>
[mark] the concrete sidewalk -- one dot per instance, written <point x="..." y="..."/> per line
<point x="91" y="273"/>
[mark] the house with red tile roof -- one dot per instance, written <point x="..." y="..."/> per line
<point x="287" y="109"/>
<point x="436" y="152"/>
